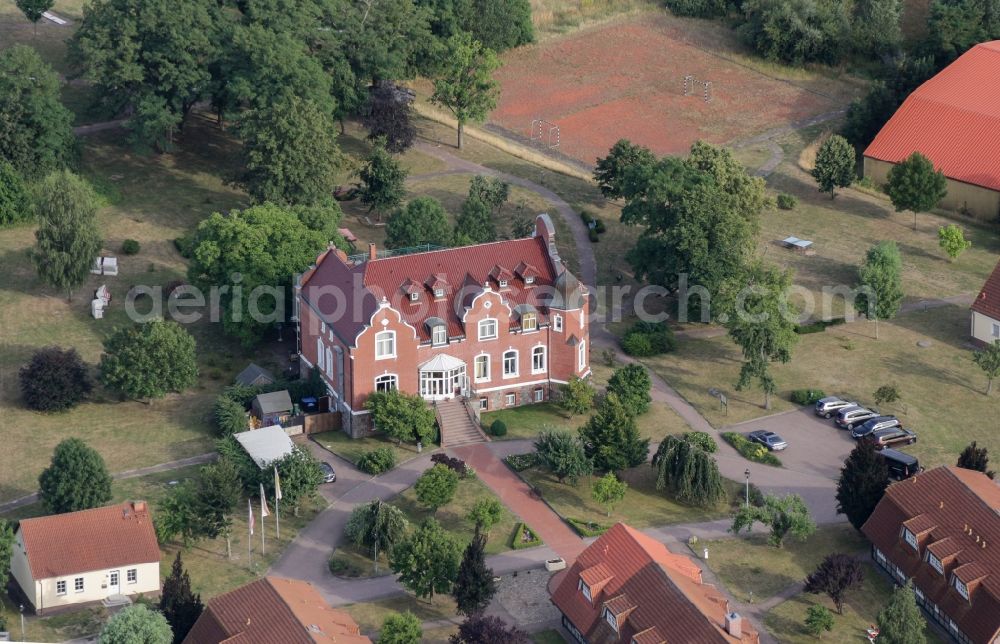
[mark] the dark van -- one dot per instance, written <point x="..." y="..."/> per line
<point x="901" y="465"/>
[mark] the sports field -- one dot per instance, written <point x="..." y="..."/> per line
<point x="625" y="79"/>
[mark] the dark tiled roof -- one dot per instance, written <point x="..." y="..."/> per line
<point x="671" y="604"/>
<point x="97" y="539"/>
<point x="962" y="506"/>
<point x="988" y="301"/>
<point x="272" y="610"/>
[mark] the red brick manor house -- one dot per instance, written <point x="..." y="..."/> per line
<point x="500" y="324"/>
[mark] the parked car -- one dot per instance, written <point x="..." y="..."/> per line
<point x="329" y="476"/>
<point x="893" y="435"/>
<point x="827" y="407"/>
<point x="874" y="424"/>
<point x="849" y="417"/>
<point x="901" y="465"/>
<point x="770" y="440"/>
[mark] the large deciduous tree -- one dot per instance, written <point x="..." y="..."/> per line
<point x="423" y="221"/>
<point x="436" y="487"/>
<point x="611" y="438"/>
<point x="149" y="360"/>
<point x="383" y="181"/>
<point x="562" y="454"/>
<point x="465" y="84"/>
<point x="835" y="576"/>
<point x="474" y="586"/>
<point x="36" y="134"/>
<point x="388" y="115"/>
<point x="900" y="621"/>
<point x="783" y="515"/>
<point x="881" y="281"/>
<point x="835" y="163"/>
<point x="15" y="207"/>
<point x="259" y="250"/>
<point x="797" y="31"/>
<point x="67" y="239"/>
<point x="609" y="173"/>
<point x="76" y="479"/>
<point x="150" y="56"/>
<point x="179" y="604"/>
<point x="863" y="480"/>
<point x="136" y="623"/>
<point x="688" y="473"/>
<point x="426" y="560"/>
<point x="54" y="380"/>
<point x="876" y="26"/>
<point x="763" y="326"/>
<point x="913" y="184"/>
<point x="401" y="416"/>
<point x="290" y="153"/>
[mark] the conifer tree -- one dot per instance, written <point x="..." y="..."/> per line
<point x="474" y="587"/>
<point x="863" y="481"/>
<point x="178" y="604"/>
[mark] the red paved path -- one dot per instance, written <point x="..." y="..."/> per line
<point x="516" y="495"/>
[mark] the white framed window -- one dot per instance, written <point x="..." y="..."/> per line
<point x="538" y="359"/>
<point x="503" y="283"/>
<point x="539" y="395"/>
<point x="385" y="345"/>
<point x="488" y="329"/>
<point x="484" y="403"/>
<point x="329" y="362"/>
<point x="61" y="587"/>
<point x="509" y="364"/>
<point x="962" y="589"/>
<point x="131" y="575"/>
<point x="581" y="355"/>
<point x="583" y="319"/>
<point x="935" y="562"/>
<point x="557" y="323"/>
<point x="910" y="538"/>
<point x="996" y="330"/>
<point x="414" y="296"/>
<point x="439" y="335"/>
<point x="482" y="368"/>
<point x="322" y="326"/>
<point x="529" y="279"/>
<point x="510" y="399"/>
<point x="439" y="292"/>
<point x="529" y="322"/>
<point x="320" y="355"/>
<point x="610" y="618"/>
<point x="78" y="584"/>
<point x="386" y="382"/>
<point x="113" y="578"/>
<point x="585" y="589"/>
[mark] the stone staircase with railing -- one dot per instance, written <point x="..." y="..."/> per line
<point x="457" y="425"/>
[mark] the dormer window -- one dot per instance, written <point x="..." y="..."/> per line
<point x="439" y="292"/>
<point x="585" y="589"/>
<point x="529" y="322"/>
<point x="503" y="283"/>
<point x="439" y="335"/>
<point x="529" y="280"/>
<point x="935" y="562"/>
<point x="910" y="538"/>
<point x="610" y="618"/>
<point x="962" y="589"/>
<point x="414" y="296"/>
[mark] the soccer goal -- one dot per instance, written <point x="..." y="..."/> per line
<point x="545" y="133"/>
<point x="693" y="87"/>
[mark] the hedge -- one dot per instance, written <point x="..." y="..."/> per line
<point x="806" y="396"/>
<point x="751" y="451"/>
<point x="588" y="528"/>
<point x="644" y="339"/>
<point x="521" y="462"/>
<point x="377" y="461"/>
<point x="517" y="542"/>
<point x="819" y="326"/>
<point x="786" y="201"/>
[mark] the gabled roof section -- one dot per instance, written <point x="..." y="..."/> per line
<point x="525" y="270"/>
<point x="656" y="595"/>
<point x="88" y="540"/>
<point x="920" y="524"/>
<point x="953" y="119"/>
<point x="988" y="301"/>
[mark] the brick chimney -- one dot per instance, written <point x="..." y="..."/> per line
<point x="734" y="624"/>
<point x="372" y="253"/>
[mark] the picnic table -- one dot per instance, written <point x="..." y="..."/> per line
<point x="796" y="244"/>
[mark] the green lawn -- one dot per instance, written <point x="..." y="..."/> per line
<point x="352" y="449"/>
<point x="644" y="506"/>
<point x="56" y="628"/>
<point x="549" y="636"/>
<point x="370" y="615"/>
<point x="748" y="564"/>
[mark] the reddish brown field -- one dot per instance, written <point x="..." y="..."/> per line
<point x="625" y="80"/>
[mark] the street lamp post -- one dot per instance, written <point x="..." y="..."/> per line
<point x="747" y="474"/>
<point x="21" y="609"/>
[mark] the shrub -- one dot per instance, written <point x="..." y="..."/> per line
<point x="498" y="428"/>
<point x="698" y="8"/>
<point x="130" y="247"/>
<point x="229" y="415"/>
<point x="702" y="440"/>
<point x="456" y="465"/>
<point x="185" y="246"/>
<point x="886" y="394"/>
<point x="637" y="345"/>
<point x="600" y="227"/>
<point x="521" y="462"/>
<point x="340" y="567"/>
<point x="787" y="201"/>
<point x="806" y="396"/>
<point x="588" y="528"/>
<point x="648" y="339"/>
<point x="818" y="326"/>
<point x="587" y="217"/>
<point x="377" y="461"/>
<point x="54" y="380"/>
<point x="524" y="537"/>
<point x="593" y="236"/>
<point x="750" y="451"/>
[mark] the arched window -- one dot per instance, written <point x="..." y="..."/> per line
<point x="488" y="329"/>
<point x="386" y="382"/>
<point x="329" y="362"/>
<point x="510" y="364"/>
<point x="538" y="359"/>
<point x="581" y="359"/>
<point x="482" y="365"/>
<point x="320" y="355"/>
<point x="385" y="345"/>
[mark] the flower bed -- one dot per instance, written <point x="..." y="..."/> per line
<point x="749" y="450"/>
<point x="521" y="462"/>
<point x="588" y="528"/>
<point x="524" y="537"/>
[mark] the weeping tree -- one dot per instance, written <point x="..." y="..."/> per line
<point x="376" y="525"/>
<point x="688" y="473"/>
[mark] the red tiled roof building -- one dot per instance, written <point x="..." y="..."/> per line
<point x="941" y="529"/>
<point x="500" y="323"/>
<point x="627" y="587"/>
<point x="985" y="321"/>
<point x="954" y="120"/>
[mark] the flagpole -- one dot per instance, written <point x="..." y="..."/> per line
<point x="250" y="535"/>
<point x="263" y="551"/>
<point x="277" y="502"/>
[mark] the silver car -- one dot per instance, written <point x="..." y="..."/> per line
<point x="827" y="407"/>
<point x="770" y="440"/>
<point x="849" y="417"/>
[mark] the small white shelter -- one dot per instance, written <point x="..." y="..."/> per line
<point x="266" y="445"/>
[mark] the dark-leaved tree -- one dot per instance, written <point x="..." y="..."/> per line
<point x="975" y="458"/>
<point x="835" y="575"/>
<point x="388" y="115"/>
<point x="863" y="481"/>
<point x="76" y="479"/>
<point x="474" y="586"/>
<point x="15" y="207"/>
<point x="487" y="629"/>
<point x="54" y="380"/>
<point x="178" y="603"/>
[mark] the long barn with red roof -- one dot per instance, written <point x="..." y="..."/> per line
<point x="954" y="120"/>
<point x="498" y="324"/>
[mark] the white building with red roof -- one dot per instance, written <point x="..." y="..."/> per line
<point x="954" y="120"/>
<point x="500" y="324"/>
<point x="85" y="557"/>
<point x="985" y="322"/>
